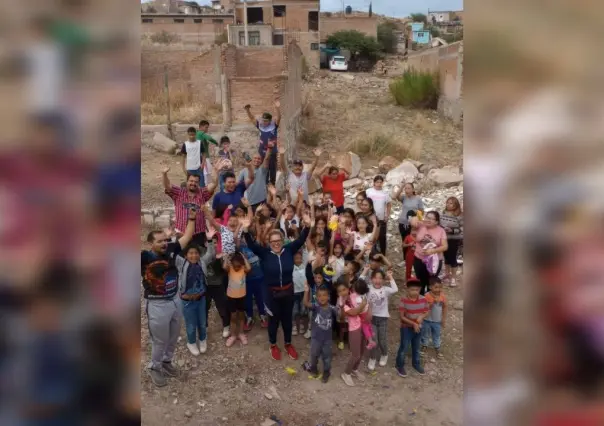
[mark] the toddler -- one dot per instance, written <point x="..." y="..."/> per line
<point x="236" y="267"/>
<point x="435" y="321"/>
<point x="361" y="291"/>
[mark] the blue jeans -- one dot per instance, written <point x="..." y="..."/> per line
<point x="299" y="308"/>
<point x="408" y="337"/>
<point x="194" y="312"/>
<point x="253" y="290"/>
<point x="431" y="327"/>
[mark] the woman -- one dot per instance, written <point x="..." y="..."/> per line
<point x="368" y="211"/>
<point x="429" y="232"/>
<point x="278" y="265"/>
<point x="411" y="202"/>
<point x="332" y="180"/>
<point x="359" y="200"/>
<point x="452" y="222"/>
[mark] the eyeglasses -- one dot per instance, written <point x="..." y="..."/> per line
<point x="275" y="241"/>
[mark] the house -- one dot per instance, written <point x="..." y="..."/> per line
<point x="419" y="34"/>
<point x="202" y="28"/>
<point x="276" y="23"/>
<point x="435" y="17"/>
<point x="331" y="24"/>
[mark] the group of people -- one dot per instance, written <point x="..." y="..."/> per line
<point x="310" y="265"/>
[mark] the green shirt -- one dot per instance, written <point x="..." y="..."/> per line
<point x="205" y="139"/>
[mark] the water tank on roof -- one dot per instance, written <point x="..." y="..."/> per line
<point x="348" y="10"/>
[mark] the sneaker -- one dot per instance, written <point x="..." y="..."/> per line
<point x="325" y="377"/>
<point x="371" y="364"/>
<point x="419" y="369"/>
<point x="295" y="331"/>
<point x="383" y="360"/>
<point x="439" y="354"/>
<point x="307" y="334"/>
<point x="358" y="375"/>
<point x="158" y="378"/>
<point x="230" y="341"/>
<point x="423" y="350"/>
<point x="289" y="348"/>
<point x="192" y="347"/>
<point x="341" y="346"/>
<point x="401" y="372"/>
<point x="453" y="283"/>
<point x="371" y="345"/>
<point x="301" y="330"/>
<point x="203" y="346"/>
<point x="248" y="324"/>
<point x="263" y="321"/>
<point x="226" y="332"/>
<point x="243" y="339"/>
<point x="347" y="379"/>
<point x="275" y="352"/>
<point x="169" y="369"/>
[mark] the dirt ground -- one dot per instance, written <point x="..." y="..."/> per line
<point x="228" y="386"/>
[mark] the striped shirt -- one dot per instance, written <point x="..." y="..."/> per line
<point x="181" y="196"/>
<point x="412" y="309"/>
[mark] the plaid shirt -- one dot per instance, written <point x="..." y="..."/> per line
<point x="180" y="196"/>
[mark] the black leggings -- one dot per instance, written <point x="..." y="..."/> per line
<point x="217" y="293"/>
<point x="422" y="274"/>
<point x="382" y="236"/>
<point x="282" y="309"/>
<point x="451" y="253"/>
<point x="404" y="230"/>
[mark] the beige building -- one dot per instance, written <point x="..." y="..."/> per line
<point x="192" y="29"/>
<point x="332" y="24"/>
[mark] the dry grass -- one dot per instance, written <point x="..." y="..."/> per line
<point x="378" y="145"/>
<point x="184" y="108"/>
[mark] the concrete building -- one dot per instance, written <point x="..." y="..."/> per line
<point x="419" y="34"/>
<point x="331" y="24"/>
<point x="276" y="23"/>
<point x="193" y="28"/>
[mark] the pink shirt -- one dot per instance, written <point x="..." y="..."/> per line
<point x="354" y="322"/>
<point x="425" y="236"/>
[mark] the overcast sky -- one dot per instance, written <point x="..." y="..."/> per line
<point x="396" y="8"/>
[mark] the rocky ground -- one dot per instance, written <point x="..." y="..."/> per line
<point x="243" y="385"/>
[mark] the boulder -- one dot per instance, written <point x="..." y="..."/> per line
<point x="404" y="172"/>
<point x="387" y="163"/>
<point x="425" y="168"/>
<point x="446" y="177"/>
<point x="349" y="160"/>
<point x="352" y="182"/>
<point x="163" y="143"/>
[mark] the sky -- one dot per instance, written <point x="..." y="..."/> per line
<point x="394" y="8"/>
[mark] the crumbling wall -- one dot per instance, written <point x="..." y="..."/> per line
<point x="291" y="100"/>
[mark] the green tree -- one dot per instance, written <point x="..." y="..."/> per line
<point x="419" y="17"/>
<point x="356" y="42"/>
<point x="434" y="32"/>
<point x="386" y="37"/>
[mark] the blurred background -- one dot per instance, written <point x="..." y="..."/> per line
<point x="534" y="249"/>
<point x="69" y="220"/>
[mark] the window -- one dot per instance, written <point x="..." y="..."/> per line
<point x="313" y="21"/>
<point x="278" y="40"/>
<point x="253" y="38"/>
<point x="179" y="21"/>
<point x="147" y="21"/>
<point x="197" y="21"/>
<point x="278" y="11"/>
<point x="314" y="46"/>
<point x="218" y="21"/>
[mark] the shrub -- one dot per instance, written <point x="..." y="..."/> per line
<point x="164" y="37"/>
<point x="377" y="146"/>
<point x="416" y="89"/>
<point x="386" y="37"/>
<point x="355" y="42"/>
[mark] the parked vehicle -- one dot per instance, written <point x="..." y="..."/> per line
<point x="338" y="63"/>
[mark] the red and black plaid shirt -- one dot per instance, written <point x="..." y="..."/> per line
<point x="181" y="196"/>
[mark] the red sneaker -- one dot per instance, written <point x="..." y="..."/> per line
<point x="275" y="352"/>
<point x="291" y="351"/>
<point x="248" y="325"/>
<point x="263" y="322"/>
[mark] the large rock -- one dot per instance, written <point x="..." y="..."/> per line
<point x="352" y="182"/>
<point x="349" y="160"/>
<point x="387" y="163"/>
<point x="446" y="177"/>
<point x="163" y="143"/>
<point x="404" y="172"/>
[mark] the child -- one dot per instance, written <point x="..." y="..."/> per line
<point x="409" y="245"/>
<point x="225" y="154"/>
<point x="254" y="289"/>
<point x="336" y="258"/>
<point x="362" y="290"/>
<point x="435" y="320"/>
<point x="229" y="234"/>
<point x="318" y="281"/>
<point x="346" y="302"/>
<point x="378" y="300"/>
<point x="322" y="317"/>
<point x="413" y="310"/>
<point x="348" y="278"/>
<point x="192" y="290"/>
<point x="215" y="276"/>
<point x="205" y="140"/>
<point x="191" y="154"/>
<point x="299" y="278"/>
<point x="236" y="268"/>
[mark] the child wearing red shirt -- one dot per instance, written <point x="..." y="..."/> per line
<point x="409" y="242"/>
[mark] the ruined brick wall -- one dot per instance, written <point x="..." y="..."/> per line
<point x="259" y="61"/>
<point x="259" y="92"/>
<point x="291" y="101"/>
<point x="191" y="31"/>
<point x="365" y="24"/>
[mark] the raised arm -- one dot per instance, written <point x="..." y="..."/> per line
<point x="307" y="295"/>
<point x="250" y="173"/>
<point x="299" y="242"/>
<point x="397" y="195"/>
<point x="317" y="152"/>
<point x="246" y="265"/>
<point x="189" y="230"/>
<point x="393" y="287"/>
<point x="212" y="187"/>
<point x="248" y="110"/>
<point x="323" y="171"/>
<point x="386" y="261"/>
<point x="210" y="217"/>
<point x="253" y="245"/>
<point x="278" y="112"/>
<point x="345" y="171"/>
<point x="211" y="250"/>
<point x="166" y="179"/>
<point x="281" y="150"/>
<point x="269" y="153"/>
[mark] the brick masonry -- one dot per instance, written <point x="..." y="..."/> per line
<point x="365" y="24"/>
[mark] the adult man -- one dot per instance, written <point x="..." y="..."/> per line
<point x="268" y="129"/>
<point x="206" y="140"/>
<point x="191" y="194"/>
<point x="298" y="178"/>
<point x="233" y="192"/>
<point x="256" y="191"/>
<point x="163" y="306"/>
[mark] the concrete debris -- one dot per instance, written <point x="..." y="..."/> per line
<point x="446" y="177"/>
<point x="387" y="163"/>
<point x="404" y="172"/>
<point x="163" y="143"/>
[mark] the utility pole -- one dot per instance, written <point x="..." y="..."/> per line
<point x="245" y="34"/>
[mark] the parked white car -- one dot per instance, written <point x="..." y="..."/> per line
<point x="338" y="63"/>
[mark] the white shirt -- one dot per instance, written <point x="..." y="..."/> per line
<point x="46" y="68"/>
<point x="380" y="201"/>
<point x="296" y="182"/>
<point x="378" y="299"/>
<point x="193" y="155"/>
<point x="360" y="241"/>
